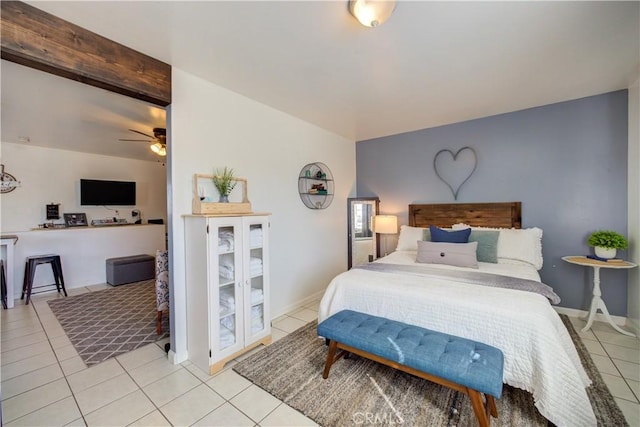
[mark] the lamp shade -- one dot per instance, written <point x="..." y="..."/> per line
<point x="159" y="149"/>
<point x="385" y="224"/>
<point x="372" y="13"/>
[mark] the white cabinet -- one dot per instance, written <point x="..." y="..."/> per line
<point x="227" y="277"/>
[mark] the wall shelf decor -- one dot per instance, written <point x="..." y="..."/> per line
<point x="454" y="171"/>
<point x="204" y="194"/>
<point x="316" y="186"/>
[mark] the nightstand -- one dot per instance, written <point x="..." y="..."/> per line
<point x="597" y="302"/>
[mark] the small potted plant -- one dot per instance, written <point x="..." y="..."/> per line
<point x="606" y="243"/>
<point x="224" y="183"/>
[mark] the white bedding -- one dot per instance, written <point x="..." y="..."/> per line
<point x="538" y="352"/>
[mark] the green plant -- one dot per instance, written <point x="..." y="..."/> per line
<point x="224" y="181"/>
<point x="607" y="239"/>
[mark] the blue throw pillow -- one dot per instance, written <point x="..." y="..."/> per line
<point x="458" y="236"/>
<point x="487" y="244"/>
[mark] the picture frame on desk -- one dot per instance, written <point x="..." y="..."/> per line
<point x="75" y="219"/>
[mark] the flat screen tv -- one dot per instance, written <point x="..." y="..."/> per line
<point x="101" y="193"/>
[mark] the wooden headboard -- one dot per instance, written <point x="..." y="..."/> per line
<point x="506" y="215"/>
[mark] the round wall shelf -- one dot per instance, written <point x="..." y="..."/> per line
<point x="316" y="186"/>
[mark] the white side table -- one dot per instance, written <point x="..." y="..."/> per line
<point x="597" y="302"/>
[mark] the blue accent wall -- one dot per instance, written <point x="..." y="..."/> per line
<point x="566" y="163"/>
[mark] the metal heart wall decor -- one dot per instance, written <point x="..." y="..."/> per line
<point x="455" y="170"/>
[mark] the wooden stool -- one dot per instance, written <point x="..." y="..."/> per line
<point x="30" y="271"/>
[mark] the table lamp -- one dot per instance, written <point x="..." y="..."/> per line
<point x="385" y="224"/>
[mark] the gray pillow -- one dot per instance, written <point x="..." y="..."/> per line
<point x="487" y="244"/>
<point x="457" y="254"/>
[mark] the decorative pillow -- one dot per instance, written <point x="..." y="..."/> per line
<point x="516" y="245"/>
<point x="440" y="235"/>
<point x="487" y="244"/>
<point x="521" y="245"/>
<point x="457" y="254"/>
<point x="408" y="238"/>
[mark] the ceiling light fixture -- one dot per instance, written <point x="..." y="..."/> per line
<point x="372" y="13"/>
<point x="159" y="148"/>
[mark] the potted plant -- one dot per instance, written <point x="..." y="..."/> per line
<point x="224" y="183"/>
<point x="607" y="242"/>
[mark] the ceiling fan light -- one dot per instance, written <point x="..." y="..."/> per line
<point x="159" y="149"/>
<point x="372" y="13"/>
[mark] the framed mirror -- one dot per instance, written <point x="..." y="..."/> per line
<point x="363" y="246"/>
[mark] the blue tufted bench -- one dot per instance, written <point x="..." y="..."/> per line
<point x="458" y="363"/>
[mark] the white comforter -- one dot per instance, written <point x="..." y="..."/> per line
<point x="538" y="352"/>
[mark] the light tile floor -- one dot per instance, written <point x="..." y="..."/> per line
<point x="44" y="381"/>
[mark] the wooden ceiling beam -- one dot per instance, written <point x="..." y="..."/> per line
<point x="37" y="39"/>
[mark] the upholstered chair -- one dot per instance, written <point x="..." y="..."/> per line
<point x="162" y="285"/>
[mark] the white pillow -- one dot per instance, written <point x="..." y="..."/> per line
<point x="408" y="238"/>
<point x="516" y="245"/>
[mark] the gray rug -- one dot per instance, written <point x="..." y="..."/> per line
<point x="110" y="322"/>
<point x="362" y="392"/>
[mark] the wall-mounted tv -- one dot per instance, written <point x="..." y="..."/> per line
<point x="101" y="193"/>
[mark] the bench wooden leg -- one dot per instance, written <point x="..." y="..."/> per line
<point x="478" y="408"/>
<point x="333" y="346"/>
<point x="492" y="405"/>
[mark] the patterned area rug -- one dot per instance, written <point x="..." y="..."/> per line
<point x="111" y="322"/>
<point x="362" y="392"/>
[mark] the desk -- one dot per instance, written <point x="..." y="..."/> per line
<point x="6" y="245"/>
<point x="597" y="302"/>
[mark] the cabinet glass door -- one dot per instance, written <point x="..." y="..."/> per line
<point x="229" y="277"/>
<point x="256" y="291"/>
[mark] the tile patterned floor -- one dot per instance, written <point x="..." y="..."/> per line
<point x="44" y="381"/>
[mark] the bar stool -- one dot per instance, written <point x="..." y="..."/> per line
<point x="3" y="285"/>
<point x="30" y="271"/>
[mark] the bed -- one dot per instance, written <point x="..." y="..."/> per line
<point x="539" y="354"/>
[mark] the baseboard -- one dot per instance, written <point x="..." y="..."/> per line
<point x="572" y="312"/>
<point x="176" y="358"/>
<point x="296" y="305"/>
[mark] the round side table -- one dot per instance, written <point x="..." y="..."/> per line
<point x="597" y="302"/>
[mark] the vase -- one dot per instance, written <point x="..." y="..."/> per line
<point x="605" y="252"/>
<point x="224" y="199"/>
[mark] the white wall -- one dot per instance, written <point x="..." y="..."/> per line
<point x="213" y="127"/>
<point x="633" y="226"/>
<point x="53" y="176"/>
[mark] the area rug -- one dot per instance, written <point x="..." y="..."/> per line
<point x="107" y="323"/>
<point x="362" y="392"/>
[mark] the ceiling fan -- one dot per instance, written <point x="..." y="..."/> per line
<point x="158" y="141"/>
